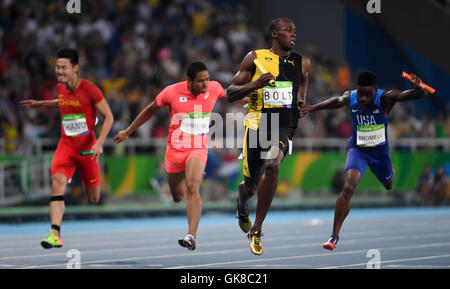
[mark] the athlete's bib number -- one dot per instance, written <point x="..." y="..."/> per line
<point x="74" y="124"/>
<point x="370" y="135"/>
<point x="196" y="123"/>
<point x="278" y="96"/>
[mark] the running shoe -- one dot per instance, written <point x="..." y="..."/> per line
<point x="245" y="223"/>
<point x="187" y="242"/>
<point x="255" y="242"/>
<point x="331" y="243"/>
<point x="52" y="241"/>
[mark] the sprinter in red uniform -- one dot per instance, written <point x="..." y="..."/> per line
<point x="79" y="100"/>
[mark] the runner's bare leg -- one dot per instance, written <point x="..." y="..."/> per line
<point x="194" y="175"/>
<point x="59" y="183"/>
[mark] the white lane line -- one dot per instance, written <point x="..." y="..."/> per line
<point x="130" y="247"/>
<point x="227" y="252"/>
<point x="305" y="256"/>
<point x="139" y="258"/>
<point x="392" y="261"/>
<point x="131" y="243"/>
<point x="404" y="266"/>
<point x="295" y="226"/>
<point x="219" y="243"/>
<point x="95" y="241"/>
<point x="74" y="238"/>
<point x="105" y="239"/>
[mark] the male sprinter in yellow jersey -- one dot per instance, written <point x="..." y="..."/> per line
<point x="282" y="100"/>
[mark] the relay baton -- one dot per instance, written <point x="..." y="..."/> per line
<point x="86" y="153"/>
<point x="421" y="84"/>
<point x="261" y="69"/>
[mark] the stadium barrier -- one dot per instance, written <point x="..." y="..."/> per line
<point x="27" y="177"/>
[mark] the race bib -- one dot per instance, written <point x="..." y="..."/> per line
<point x="196" y="123"/>
<point x="370" y="135"/>
<point x="74" y="124"/>
<point x="278" y="96"/>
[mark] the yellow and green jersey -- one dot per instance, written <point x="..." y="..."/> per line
<point x="281" y="98"/>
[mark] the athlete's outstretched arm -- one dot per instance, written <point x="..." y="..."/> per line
<point x="142" y="117"/>
<point x="241" y="85"/>
<point x="103" y="108"/>
<point x="306" y="65"/>
<point x="243" y="100"/>
<point x="332" y="103"/>
<point x="32" y="102"/>
<point x="391" y="97"/>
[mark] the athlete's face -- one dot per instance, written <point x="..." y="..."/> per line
<point x="366" y="95"/>
<point x="200" y="83"/>
<point x="285" y="34"/>
<point x="65" y="71"/>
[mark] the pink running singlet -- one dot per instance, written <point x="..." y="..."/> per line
<point x="189" y="125"/>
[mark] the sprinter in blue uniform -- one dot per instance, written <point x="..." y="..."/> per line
<point x="368" y="145"/>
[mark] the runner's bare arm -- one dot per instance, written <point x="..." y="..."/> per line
<point x="243" y="100"/>
<point x="332" y="103"/>
<point x="103" y="108"/>
<point x="306" y="65"/>
<point x="391" y="97"/>
<point x="241" y="85"/>
<point x="142" y="117"/>
<point x="32" y="103"/>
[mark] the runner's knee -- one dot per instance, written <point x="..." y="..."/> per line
<point x="93" y="195"/>
<point x="193" y="188"/>
<point x="177" y="187"/>
<point x="348" y="190"/>
<point x="388" y="186"/>
<point x="242" y="186"/>
<point x="272" y="169"/>
<point x="94" y="198"/>
<point x="177" y="196"/>
<point x="249" y="187"/>
<point x="58" y="181"/>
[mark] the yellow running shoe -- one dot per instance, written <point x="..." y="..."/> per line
<point x="255" y="242"/>
<point x="52" y="241"/>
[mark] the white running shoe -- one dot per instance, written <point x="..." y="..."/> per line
<point x="187" y="242"/>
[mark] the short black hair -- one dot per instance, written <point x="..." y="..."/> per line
<point x="195" y="67"/>
<point x="274" y="23"/>
<point x="70" y="53"/>
<point x="367" y="78"/>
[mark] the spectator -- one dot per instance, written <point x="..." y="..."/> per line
<point x="424" y="185"/>
<point x="439" y="187"/>
<point x="134" y="49"/>
<point x="160" y="185"/>
<point x="213" y="188"/>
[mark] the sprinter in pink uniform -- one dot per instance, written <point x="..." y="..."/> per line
<point x="190" y="103"/>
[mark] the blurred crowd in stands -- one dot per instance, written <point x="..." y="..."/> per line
<point x="445" y="3"/>
<point x="433" y="187"/>
<point x="133" y="49"/>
